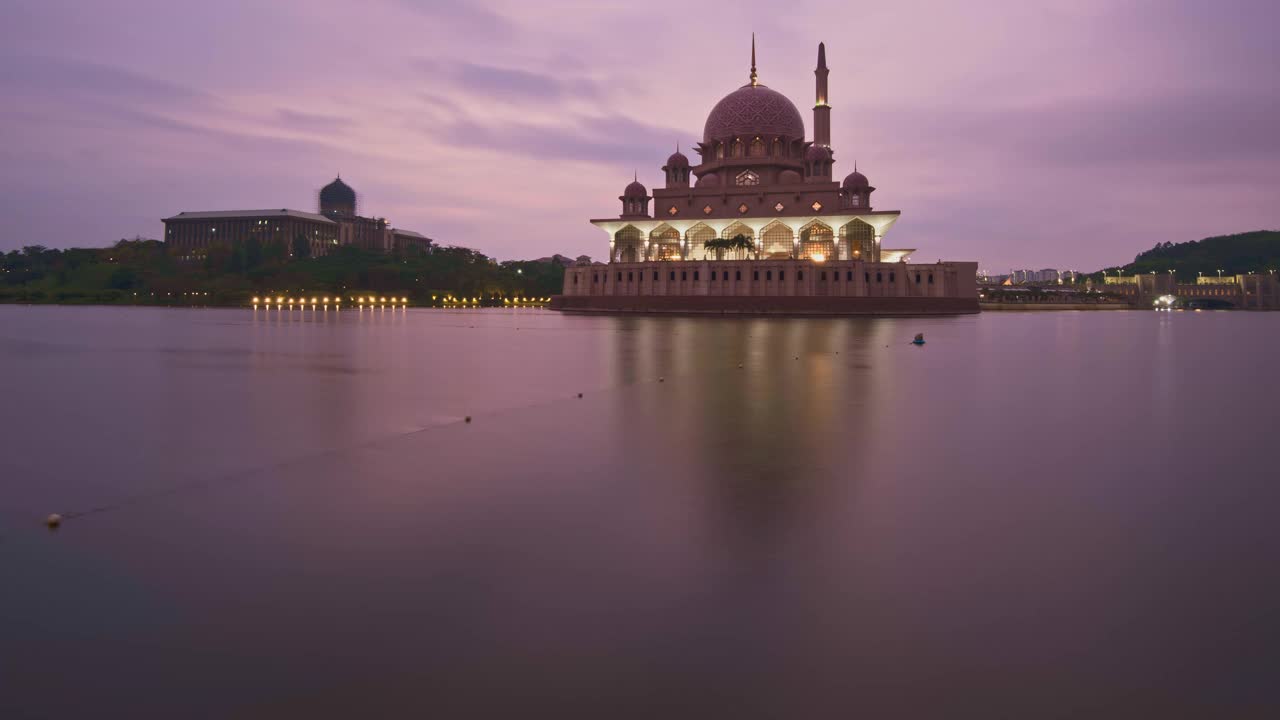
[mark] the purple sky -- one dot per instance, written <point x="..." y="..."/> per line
<point x="1068" y="134"/>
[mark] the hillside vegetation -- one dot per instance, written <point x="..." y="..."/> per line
<point x="1257" y="251"/>
<point x="145" y="272"/>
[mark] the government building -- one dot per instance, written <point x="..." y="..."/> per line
<point x="337" y="223"/>
<point x="760" y="225"/>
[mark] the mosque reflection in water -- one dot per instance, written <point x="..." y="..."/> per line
<point x="765" y="410"/>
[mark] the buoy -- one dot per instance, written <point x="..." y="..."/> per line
<point x="662" y="379"/>
<point x="919" y="339"/>
<point x="579" y="394"/>
<point x="53" y="521"/>
<point x="468" y="418"/>
<point x="739" y="366"/>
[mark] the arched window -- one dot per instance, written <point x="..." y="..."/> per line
<point x="817" y="242"/>
<point x="719" y="151"/>
<point x="747" y="177"/>
<point x="737" y="253"/>
<point x="696" y="240"/>
<point x="776" y="241"/>
<point x="664" y="243"/>
<point x="627" y="244"/>
<point x="777" y="148"/>
<point x="859" y="239"/>
<point x="757" y="147"/>
<point x="737" y="148"/>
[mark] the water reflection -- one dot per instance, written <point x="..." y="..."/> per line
<point x="761" y="410"/>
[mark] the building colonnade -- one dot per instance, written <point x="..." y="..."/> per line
<point x="787" y="238"/>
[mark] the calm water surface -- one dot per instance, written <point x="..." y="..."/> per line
<point x="1033" y="515"/>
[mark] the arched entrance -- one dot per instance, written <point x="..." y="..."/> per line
<point x="817" y="242"/>
<point x="664" y="243"/>
<point x="628" y="245"/>
<point x="860" y="240"/>
<point x="777" y="241"/>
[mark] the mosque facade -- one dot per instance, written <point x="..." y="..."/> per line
<point x="760" y="225"/>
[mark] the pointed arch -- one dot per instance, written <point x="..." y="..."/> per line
<point x="733" y="230"/>
<point x="664" y="243"/>
<point x="859" y="240"/>
<point x="628" y="244"/>
<point x="817" y="242"/>
<point x="777" y="241"/>
<point x="696" y="241"/>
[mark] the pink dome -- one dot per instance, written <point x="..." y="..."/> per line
<point x="635" y="189"/>
<point x="817" y="152"/>
<point x="753" y="110"/>
<point x="855" y="181"/>
<point x="678" y="160"/>
<point x="708" y="180"/>
<point x="790" y="176"/>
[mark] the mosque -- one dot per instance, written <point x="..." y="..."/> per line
<point x="759" y="225"/>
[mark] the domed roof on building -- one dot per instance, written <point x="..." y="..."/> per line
<point x="337" y="193"/>
<point x="678" y="160"/>
<point x="856" y="181"/>
<point x="753" y="110"/>
<point x="635" y="189"/>
<point x="818" y="152"/>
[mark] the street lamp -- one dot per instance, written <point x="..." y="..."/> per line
<point x="1219" y="273"/>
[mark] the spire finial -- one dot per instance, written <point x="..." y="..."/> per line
<point x="822" y="56"/>
<point x="635" y="175"/>
<point x="754" y="79"/>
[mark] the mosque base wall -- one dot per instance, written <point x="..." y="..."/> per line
<point x="763" y="305"/>
<point x="771" y="287"/>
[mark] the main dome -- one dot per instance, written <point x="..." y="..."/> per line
<point x="753" y="110"/>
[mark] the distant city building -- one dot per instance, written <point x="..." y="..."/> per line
<point x="760" y="225"/>
<point x="337" y="224"/>
<point x="1045" y="276"/>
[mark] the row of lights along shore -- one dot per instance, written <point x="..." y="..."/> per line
<point x="449" y="301"/>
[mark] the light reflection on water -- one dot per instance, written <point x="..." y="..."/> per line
<point x="1033" y="514"/>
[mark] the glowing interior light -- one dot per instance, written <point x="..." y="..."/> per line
<point x="279" y="300"/>
<point x="818" y="257"/>
<point x="255" y="301"/>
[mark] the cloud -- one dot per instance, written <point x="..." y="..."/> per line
<point x="64" y="77"/>
<point x="461" y="15"/>
<point x="298" y="120"/>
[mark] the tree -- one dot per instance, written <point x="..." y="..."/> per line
<point x="737" y="242"/>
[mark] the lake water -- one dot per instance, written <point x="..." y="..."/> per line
<point x="285" y="515"/>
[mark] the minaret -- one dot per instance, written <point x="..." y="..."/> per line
<point x="821" y="110"/>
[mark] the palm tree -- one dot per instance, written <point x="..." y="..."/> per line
<point x="737" y="242"/>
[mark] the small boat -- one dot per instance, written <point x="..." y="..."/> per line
<point x="919" y="339"/>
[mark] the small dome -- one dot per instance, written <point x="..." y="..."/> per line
<point x="635" y="189"/>
<point x="709" y="180"/>
<point x="856" y="181"/>
<point x="790" y="176"/>
<point x="816" y="153"/>
<point x="678" y="160"/>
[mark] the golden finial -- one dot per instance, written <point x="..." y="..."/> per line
<point x="754" y="79"/>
